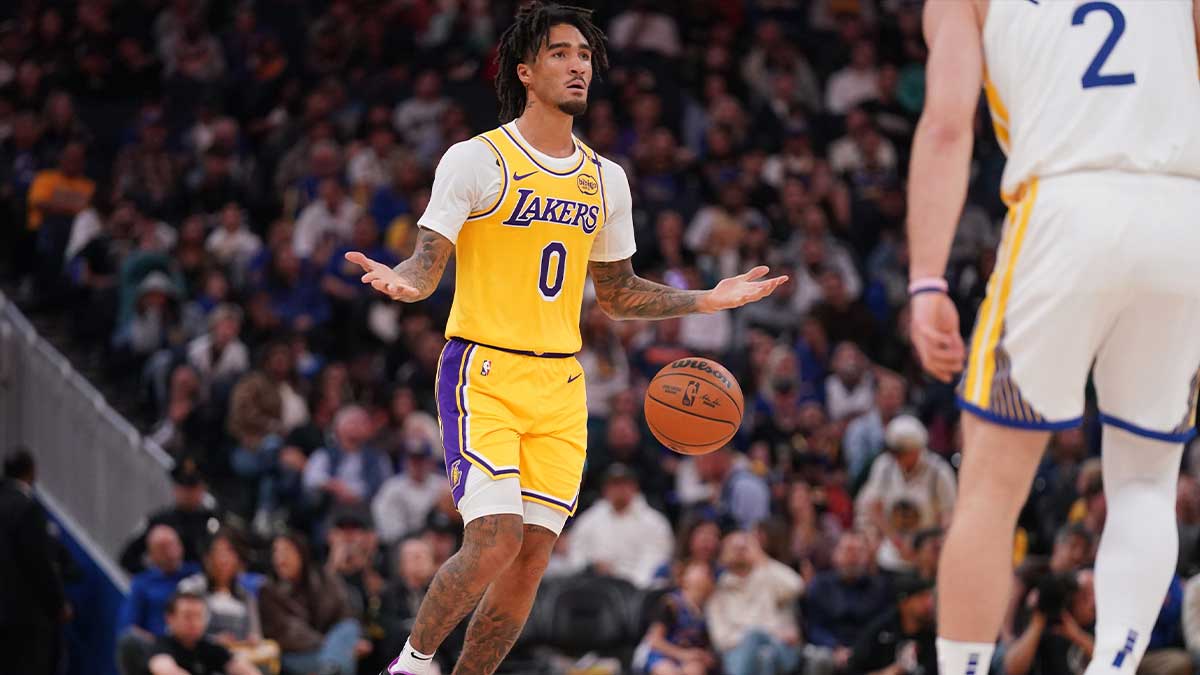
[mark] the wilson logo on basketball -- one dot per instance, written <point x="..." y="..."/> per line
<point x="702" y="366"/>
<point x="587" y="184"/>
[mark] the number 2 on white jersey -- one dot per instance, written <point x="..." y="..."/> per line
<point x="1092" y="76"/>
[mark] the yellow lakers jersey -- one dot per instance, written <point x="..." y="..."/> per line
<point x="521" y="263"/>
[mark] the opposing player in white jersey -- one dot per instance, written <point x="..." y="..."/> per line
<point x="1097" y="104"/>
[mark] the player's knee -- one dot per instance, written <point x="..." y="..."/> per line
<point x="494" y="542"/>
<point x="533" y="558"/>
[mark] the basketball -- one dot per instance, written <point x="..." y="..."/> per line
<point x="694" y="406"/>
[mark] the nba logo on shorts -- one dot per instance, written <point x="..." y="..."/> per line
<point x="487" y="367"/>
<point x="689" y="394"/>
<point x="455" y="473"/>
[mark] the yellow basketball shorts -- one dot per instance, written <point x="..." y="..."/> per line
<point x="513" y="415"/>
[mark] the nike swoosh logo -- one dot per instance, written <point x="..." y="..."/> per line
<point x="572" y="379"/>
<point x="517" y="176"/>
<point x="419" y="657"/>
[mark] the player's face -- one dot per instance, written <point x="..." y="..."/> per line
<point x="562" y="72"/>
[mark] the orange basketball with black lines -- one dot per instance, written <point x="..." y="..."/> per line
<point x="694" y="406"/>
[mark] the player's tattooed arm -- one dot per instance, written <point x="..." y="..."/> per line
<point x="423" y="269"/>
<point x="415" y="278"/>
<point x="622" y="294"/>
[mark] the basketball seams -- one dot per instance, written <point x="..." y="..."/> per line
<point x="667" y="405"/>
<point x="673" y="441"/>
<point x="715" y="384"/>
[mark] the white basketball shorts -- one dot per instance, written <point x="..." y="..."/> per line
<point x="1099" y="272"/>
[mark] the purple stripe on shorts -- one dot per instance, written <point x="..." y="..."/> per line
<point x="551" y="500"/>
<point x="487" y="465"/>
<point x="463" y="439"/>
<point x="449" y="377"/>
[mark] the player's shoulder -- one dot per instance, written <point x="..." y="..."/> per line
<point x="613" y="173"/>
<point x="474" y="149"/>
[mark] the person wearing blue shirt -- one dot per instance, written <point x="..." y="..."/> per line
<point x="342" y="279"/>
<point x="742" y="495"/>
<point x="841" y="601"/>
<point x="143" y="615"/>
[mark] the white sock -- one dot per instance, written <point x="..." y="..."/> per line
<point x="1139" y="547"/>
<point x="963" y="658"/>
<point x="410" y="661"/>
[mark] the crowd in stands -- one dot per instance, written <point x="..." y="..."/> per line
<point x="180" y="178"/>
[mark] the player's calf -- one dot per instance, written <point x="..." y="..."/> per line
<point x="501" y="615"/>
<point x="490" y="545"/>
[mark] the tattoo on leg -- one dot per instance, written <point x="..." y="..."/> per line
<point x="462" y="580"/>
<point x="498" y="622"/>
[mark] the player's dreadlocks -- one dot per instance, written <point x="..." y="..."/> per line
<point x="526" y="37"/>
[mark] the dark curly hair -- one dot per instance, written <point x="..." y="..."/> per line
<point x="523" y="40"/>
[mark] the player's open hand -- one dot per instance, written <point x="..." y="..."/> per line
<point x="742" y="289"/>
<point x="383" y="278"/>
<point x="935" y="335"/>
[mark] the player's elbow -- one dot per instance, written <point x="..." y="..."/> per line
<point x="946" y="128"/>
<point x="605" y="302"/>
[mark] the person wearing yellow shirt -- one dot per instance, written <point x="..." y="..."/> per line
<point x="55" y="198"/>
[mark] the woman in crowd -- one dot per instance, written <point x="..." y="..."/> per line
<point x="307" y="612"/>
<point x="699" y="540"/>
<point x="231" y="594"/>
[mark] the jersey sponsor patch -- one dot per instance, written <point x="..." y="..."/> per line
<point x="587" y="184"/>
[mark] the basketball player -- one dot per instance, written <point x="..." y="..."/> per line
<point x="1096" y="104"/>
<point x="529" y="211"/>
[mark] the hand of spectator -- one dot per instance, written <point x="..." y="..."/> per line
<point x="1069" y="628"/>
<point x="339" y="554"/>
<point x="163" y="664"/>
<point x="841" y="657"/>
<point x="700" y="655"/>
<point x="291" y="457"/>
<point x="340" y="491"/>
<point x="362" y="648"/>
<point x="740" y="290"/>
<point x="935" y="335"/>
<point x="807" y="570"/>
<point x="383" y="278"/>
<point x="789" y="635"/>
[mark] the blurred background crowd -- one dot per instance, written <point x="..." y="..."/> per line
<point x="180" y="178"/>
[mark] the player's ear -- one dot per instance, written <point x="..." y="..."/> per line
<point x="524" y="73"/>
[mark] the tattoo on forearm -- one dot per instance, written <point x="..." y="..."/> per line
<point x="624" y="295"/>
<point x="423" y="269"/>
<point x="460" y="583"/>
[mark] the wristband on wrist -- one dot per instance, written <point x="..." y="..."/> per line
<point x="928" y="285"/>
